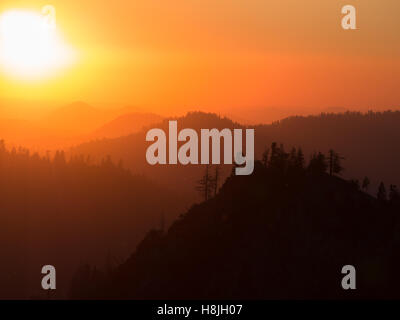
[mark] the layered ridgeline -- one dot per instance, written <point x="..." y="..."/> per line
<point x="60" y="211"/>
<point x="73" y="124"/>
<point x="284" y="232"/>
<point x="367" y="141"/>
<point x="132" y="150"/>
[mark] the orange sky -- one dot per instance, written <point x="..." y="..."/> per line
<point x="219" y="54"/>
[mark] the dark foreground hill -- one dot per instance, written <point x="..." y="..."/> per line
<point x="283" y="232"/>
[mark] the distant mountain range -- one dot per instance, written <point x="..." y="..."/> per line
<point x="74" y="124"/>
<point x="367" y="141"/>
<point x="125" y="125"/>
<point x="79" y="118"/>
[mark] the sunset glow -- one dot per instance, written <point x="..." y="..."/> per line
<point x="258" y="60"/>
<point x="30" y="47"/>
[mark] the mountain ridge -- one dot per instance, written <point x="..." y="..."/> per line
<point x="362" y="138"/>
<point x="270" y="235"/>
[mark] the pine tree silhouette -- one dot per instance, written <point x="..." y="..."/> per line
<point x="381" y="196"/>
<point x="394" y="194"/>
<point x="318" y="164"/>
<point x="265" y="157"/>
<point x="206" y="184"/>
<point x="365" y="184"/>
<point x="335" y="166"/>
<point x="216" y="179"/>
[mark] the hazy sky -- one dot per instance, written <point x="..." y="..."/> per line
<point x="221" y="53"/>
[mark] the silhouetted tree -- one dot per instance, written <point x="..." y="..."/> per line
<point x="59" y="159"/>
<point x="265" y="157"/>
<point x="381" y="192"/>
<point x="295" y="162"/>
<point x="273" y="159"/>
<point x="216" y="179"/>
<point x="335" y="166"/>
<point x="293" y="157"/>
<point x="205" y="185"/>
<point x="394" y="194"/>
<point x="300" y="159"/>
<point x="365" y="184"/>
<point x="278" y="159"/>
<point x="318" y="164"/>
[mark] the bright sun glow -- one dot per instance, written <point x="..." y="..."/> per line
<point x="31" y="47"/>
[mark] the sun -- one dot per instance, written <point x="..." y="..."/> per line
<point x="30" y="46"/>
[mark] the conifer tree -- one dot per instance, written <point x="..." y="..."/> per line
<point x="382" y="192"/>
<point x="365" y="184"/>
<point x="205" y="185"/>
<point x="335" y="166"/>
